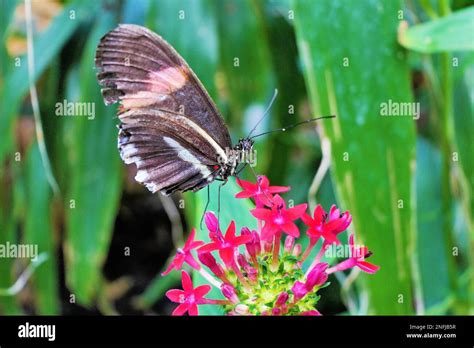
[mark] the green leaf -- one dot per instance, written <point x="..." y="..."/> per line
<point x="450" y="33"/>
<point x="430" y="241"/>
<point x="47" y="46"/>
<point x="8" y="304"/>
<point x="464" y="130"/>
<point x="464" y="125"/>
<point x="95" y="179"/>
<point x="372" y="156"/>
<point x="7" y="8"/>
<point x="39" y="231"/>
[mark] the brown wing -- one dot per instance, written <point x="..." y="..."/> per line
<point x="169" y="122"/>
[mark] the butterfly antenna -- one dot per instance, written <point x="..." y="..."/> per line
<point x="284" y="129"/>
<point x="275" y="93"/>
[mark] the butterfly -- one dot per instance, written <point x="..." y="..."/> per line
<point x="169" y="125"/>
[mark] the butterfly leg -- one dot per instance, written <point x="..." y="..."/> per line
<point x="205" y="207"/>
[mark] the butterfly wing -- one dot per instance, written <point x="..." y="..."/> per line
<point x="170" y="128"/>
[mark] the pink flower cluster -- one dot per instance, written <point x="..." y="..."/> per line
<point x="256" y="276"/>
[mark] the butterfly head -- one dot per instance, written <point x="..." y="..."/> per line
<point x="244" y="145"/>
<point x="242" y="152"/>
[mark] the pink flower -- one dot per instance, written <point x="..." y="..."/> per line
<point x="253" y="246"/>
<point x="189" y="297"/>
<point x="263" y="279"/>
<point x="279" y="218"/>
<point x="357" y="259"/>
<point x="226" y="245"/>
<point x="338" y="222"/>
<point x="316" y="277"/>
<point x="261" y="191"/>
<point x="322" y="225"/>
<point x="184" y="254"/>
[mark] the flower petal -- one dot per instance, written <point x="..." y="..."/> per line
<point x="193" y="309"/>
<point x="181" y="309"/>
<point x="244" y="194"/>
<point x="262" y="213"/>
<point x="200" y="292"/>
<point x="291" y="229"/>
<point x="367" y="267"/>
<point x="319" y="214"/>
<point x="186" y="281"/>
<point x="263" y="182"/>
<point x="189" y="259"/>
<point x="242" y="240"/>
<point x="296" y="212"/>
<point x="278" y="189"/>
<point x="175" y="295"/>
<point x="190" y="240"/>
<point x="246" y="185"/>
<point x="277" y="201"/>
<point x="230" y="233"/>
<point x="227" y="256"/>
<point x="307" y="220"/>
<point x="169" y="269"/>
<point x="268" y="231"/>
<point x="209" y="247"/>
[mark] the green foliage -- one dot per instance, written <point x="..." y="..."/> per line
<point x="39" y="231"/>
<point x="449" y="33"/>
<point x="92" y="199"/>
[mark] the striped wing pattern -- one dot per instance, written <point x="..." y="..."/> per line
<point x="170" y="128"/>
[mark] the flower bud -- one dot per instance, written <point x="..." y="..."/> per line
<point x="252" y="273"/>
<point x="229" y="292"/>
<point x="297" y="250"/>
<point x="281" y="299"/>
<point x="317" y="276"/>
<point x="276" y="311"/>
<point x="253" y="247"/>
<point x="208" y="260"/>
<point x="289" y="242"/>
<point x="211" y="222"/>
<point x="242" y="261"/>
<point x="241" y="309"/>
<point x="299" y="290"/>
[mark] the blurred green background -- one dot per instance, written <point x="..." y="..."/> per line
<point x="408" y="183"/>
